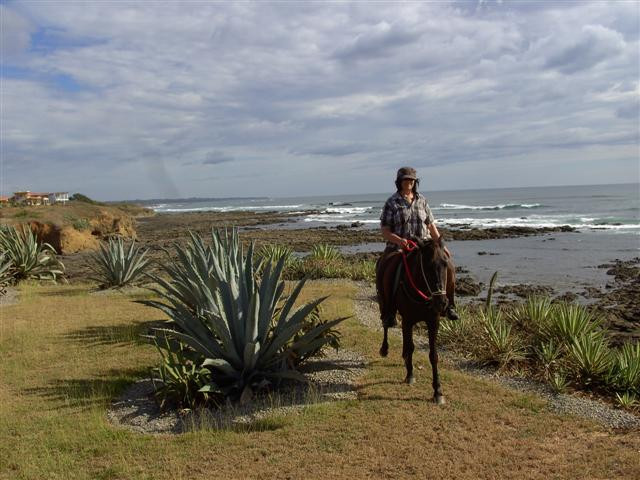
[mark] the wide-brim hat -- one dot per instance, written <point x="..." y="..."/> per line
<point x="407" y="173"/>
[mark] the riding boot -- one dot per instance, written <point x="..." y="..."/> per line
<point x="451" y="291"/>
<point x="385" y="296"/>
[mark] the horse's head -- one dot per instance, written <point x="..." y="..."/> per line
<point x="434" y="271"/>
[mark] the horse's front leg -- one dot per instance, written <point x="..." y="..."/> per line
<point x="432" y="326"/>
<point x="407" y="350"/>
<point x="384" y="349"/>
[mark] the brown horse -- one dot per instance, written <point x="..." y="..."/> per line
<point x="428" y="277"/>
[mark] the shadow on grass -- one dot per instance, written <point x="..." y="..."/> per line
<point x="87" y="392"/>
<point x="131" y="333"/>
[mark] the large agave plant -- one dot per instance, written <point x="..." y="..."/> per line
<point x="29" y="258"/>
<point x="242" y="329"/>
<point x="117" y="266"/>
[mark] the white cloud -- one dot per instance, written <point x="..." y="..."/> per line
<point x="174" y="98"/>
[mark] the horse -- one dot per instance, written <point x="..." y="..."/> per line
<point x="420" y="296"/>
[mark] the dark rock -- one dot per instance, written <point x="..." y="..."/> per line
<point x="467" y="286"/>
<point x="524" y="290"/>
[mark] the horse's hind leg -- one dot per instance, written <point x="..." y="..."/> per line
<point x="432" y="325"/>
<point x="407" y="350"/>
<point x="384" y="349"/>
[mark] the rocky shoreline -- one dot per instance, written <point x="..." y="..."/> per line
<point x="618" y="303"/>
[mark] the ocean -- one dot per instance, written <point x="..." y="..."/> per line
<point x="607" y="219"/>
<point x="613" y="208"/>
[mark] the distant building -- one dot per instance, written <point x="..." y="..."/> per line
<point x="59" y="197"/>
<point x="4" y="200"/>
<point x="30" y="198"/>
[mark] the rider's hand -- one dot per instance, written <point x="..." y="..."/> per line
<point x="404" y="242"/>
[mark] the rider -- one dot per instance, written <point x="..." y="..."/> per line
<point x="406" y="214"/>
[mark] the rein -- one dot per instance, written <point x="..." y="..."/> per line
<point x="411" y="246"/>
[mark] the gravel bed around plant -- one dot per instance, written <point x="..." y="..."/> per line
<point x="10" y="297"/>
<point x="366" y="309"/>
<point x="331" y="378"/>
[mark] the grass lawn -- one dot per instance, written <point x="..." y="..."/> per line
<point x="65" y="354"/>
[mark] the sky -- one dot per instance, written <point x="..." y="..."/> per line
<point x="132" y="100"/>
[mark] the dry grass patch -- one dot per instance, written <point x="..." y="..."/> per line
<point x="66" y="355"/>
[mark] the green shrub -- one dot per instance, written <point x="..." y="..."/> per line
<point x="324" y="251"/>
<point x="117" y="266"/>
<point x="625" y="368"/>
<point x="178" y="378"/>
<point x="79" y="197"/>
<point x="626" y="400"/>
<point x="341" y="267"/>
<point x="81" y="224"/>
<point x="244" y="330"/>
<point x="534" y="315"/>
<point x="558" y="382"/>
<point x="569" y="322"/>
<point x="590" y="358"/>
<point x="28" y="257"/>
<point x="548" y="353"/>
<point x="501" y="345"/>
<point x="273" y="253"/>
<point x="462" y="334"/>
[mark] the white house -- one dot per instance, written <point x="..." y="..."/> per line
<point x="59" y="197"/>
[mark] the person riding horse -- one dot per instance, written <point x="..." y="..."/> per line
<point x="406" y="216"/>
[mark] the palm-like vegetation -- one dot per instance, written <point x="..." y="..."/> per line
<point x="245" y="331"/>
<point x="28" y="257"/>
<point x="325" y="251"/>
<point x="117" y="266"/>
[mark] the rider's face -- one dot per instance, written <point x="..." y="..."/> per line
<point x="407" y="184"/>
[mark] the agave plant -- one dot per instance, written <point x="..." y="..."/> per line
<point x="548" y="353"/>
<point x="272" y="253"/>
<point x="244" y="330"/>
<point x="534" y="314"/>
<point x="590" y="358"/>
<point x="29" y="258"/>
<point x="178" y="377"/>
<point x="625" y="368"/>
<point x="558" y="382"/>
<point x="325" y="251"/>
<point x="569" y="322"/>
<point x="501" y="344"/>
<point x="117" y="266"/>
<point x="626" y="400"/>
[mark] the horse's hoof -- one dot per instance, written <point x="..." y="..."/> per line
<point x="410" y="380"/>
<point x="384" y="351"/>
<point x="439" y="400"/>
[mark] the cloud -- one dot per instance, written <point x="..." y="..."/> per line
<point x="595" y="44"/>
<point x="216" y="158"/>
<point x="15" y="31"/>
<point x="290" y="90"/>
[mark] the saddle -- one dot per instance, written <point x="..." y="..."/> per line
<point x="388" y="272"/>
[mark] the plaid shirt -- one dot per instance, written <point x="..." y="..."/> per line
<point x="407" y="220"/>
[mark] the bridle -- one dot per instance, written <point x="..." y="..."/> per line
<point x="410" y="247"/>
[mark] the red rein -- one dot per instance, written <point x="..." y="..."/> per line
<point x="411" y="246"/>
